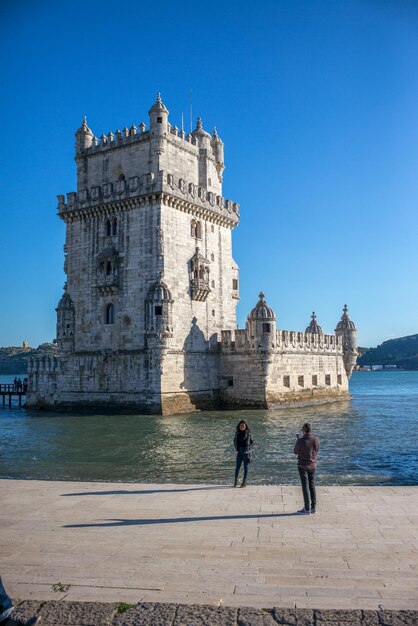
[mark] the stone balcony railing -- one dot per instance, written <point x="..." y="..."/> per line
<point x="107" y="284"/>
<point x="200" y="288"/>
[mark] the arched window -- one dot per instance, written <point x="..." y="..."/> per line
<point x="121" y="177"/>
<point x="193" y="228"/>
<point x="199" y="230"/>
<point x="108" y="228"/>
<point x="108" y="268"/>
<point x="110" y="314"/>
<point x="115" y="226"/>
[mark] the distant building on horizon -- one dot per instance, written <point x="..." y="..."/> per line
<point x="147" y="321"/>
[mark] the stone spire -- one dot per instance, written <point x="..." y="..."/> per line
<point x="314" y="327"/>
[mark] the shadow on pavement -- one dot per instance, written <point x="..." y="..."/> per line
<point x="123" y="492"/>
<point x="176" y="520"/>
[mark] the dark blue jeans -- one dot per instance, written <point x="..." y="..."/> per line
<point x="242" y="457"/>
<point x="307" y="478"/>
<point x="6" y="605"/>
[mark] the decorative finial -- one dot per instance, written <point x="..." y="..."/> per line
<point x="160" y="276"/>
<point x="199" y="124"/>
<point x="313" y="316"/>
<point x="215" y="133"/>
<point x="345" y="309"/>
<point x="159" y="101"/>
<point x="261" y="295"/>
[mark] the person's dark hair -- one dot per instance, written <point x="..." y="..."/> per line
<point x="306" y="428"/>
<point x="247" y="428"/>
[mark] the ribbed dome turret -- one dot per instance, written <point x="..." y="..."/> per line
<point x="345" y="323"/>
<point x="158" y="106"/>
<point x="159" y="292"/>
<point x="65" y="303"/>
<point x="314" y="327"/>
<point x="262" y="311"/>
<point x="199" y="130"/>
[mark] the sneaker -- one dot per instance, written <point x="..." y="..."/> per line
<point x="313" y="510"/>
<point x="22" y="621"/>
<point x="243" y="484"/>
<point x="304" y="512"/>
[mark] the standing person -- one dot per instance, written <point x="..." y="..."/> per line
<point x="243" y="444"/>
<point x="307" y="448"/>
<point x="6" y="612"/>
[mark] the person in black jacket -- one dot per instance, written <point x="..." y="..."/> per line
<point x="243" y="444"/>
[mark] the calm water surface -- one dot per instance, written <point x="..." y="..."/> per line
<point x="370" y="440"/>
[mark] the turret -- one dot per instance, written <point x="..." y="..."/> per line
<point x="314" y="327"/>
<point x="217" y="147"/>
<point x="347" y="330"/>
<point x="83" y="137"/>
<point x="158" y="117"/>
<point x="261" y="324"/>
<point x="203" y="138"/>
<point x="66" y="323"/>
<point x="158" y="315"/>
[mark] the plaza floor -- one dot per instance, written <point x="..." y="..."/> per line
<point x="213" y="545"/>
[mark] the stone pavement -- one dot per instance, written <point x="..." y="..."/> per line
<point x="156" y="614"/>
<point x="210" y="545"/>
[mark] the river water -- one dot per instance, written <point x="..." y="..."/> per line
<point x="370" y="440"/>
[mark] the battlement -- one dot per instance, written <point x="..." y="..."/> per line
<point x="43" y="364"/>
<point x="285" y="341"/>
<point x="176" y="191"/>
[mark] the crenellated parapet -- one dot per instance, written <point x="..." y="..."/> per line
<point x="175" y="191"/>
<point x="284" y="341"/>
<point x="44" y="365"/>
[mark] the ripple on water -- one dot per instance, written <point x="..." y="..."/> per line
<point x="363" y="442"/>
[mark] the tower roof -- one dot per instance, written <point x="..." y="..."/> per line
<point x="199" y="130"/>
<point x="159" y="292"/>
<point x="262" y="311"/>
<point x="65" y="302"/>
<point x="84" y="129"/>
<point x="345" y="323"/>
<point x="314" y="327"/>
<point x="158" y="106"/>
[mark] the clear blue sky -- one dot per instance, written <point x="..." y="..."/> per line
<point x="316" y="101"/>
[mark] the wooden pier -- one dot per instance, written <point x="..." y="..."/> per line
<point x="9" y="391"/>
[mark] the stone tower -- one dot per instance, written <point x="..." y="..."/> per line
<point x="346" y="329"/>
<point x="150" y="276"/>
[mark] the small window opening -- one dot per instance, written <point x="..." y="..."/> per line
<point x="213" y="312"/>
<point x="339" y="379"/>
<point x="301" y="381"/>
<point x="158" y="310"/>
<point x="199" y="230"/>
<point x="212" y="257"/>
<point x="209" y="182"/>
<point x="193" y="228"/>
<point x="108" y="268"/>
<point x="286" y="381"/>
<point x="315" y="380"/>
<point x="159" y="120"/>
<point x="266" y="327"/>
<point x="328" y="379"/>
<point x="213" y="284"/>
<point x="110" y="314"/>
<point x="108" y="228"/>
<point x="121" y="177"/>
<point x="230" y="382"/>
<point x="235" y="284"/>
<point x="212" y="228"/>
<point x="115" y="227"/>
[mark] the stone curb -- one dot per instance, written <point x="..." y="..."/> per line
<point x="68" y="613"/>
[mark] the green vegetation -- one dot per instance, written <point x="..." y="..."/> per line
<point x="402" y="352"/>
<point x="123" y="607"/>
<point x="14" y="360"/>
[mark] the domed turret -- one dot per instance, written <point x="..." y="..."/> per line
<point x="314" y="327"/>
<point x="83" y="137"/>
<point x="65" y="322"/>
<point x="261" y="323"/>
<point x="159" y="310"/>
<point x="203" y="138"/>
<point x="158" y="114"/>
<point x="347" y="330"/>
<point x="217" y="147"/>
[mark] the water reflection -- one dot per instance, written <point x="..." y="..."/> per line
<point x="365" y="441"/>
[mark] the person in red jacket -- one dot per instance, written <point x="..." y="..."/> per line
<point x="307" y="448"/>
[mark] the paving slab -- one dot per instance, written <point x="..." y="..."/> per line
<point x="210" y="545"/>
